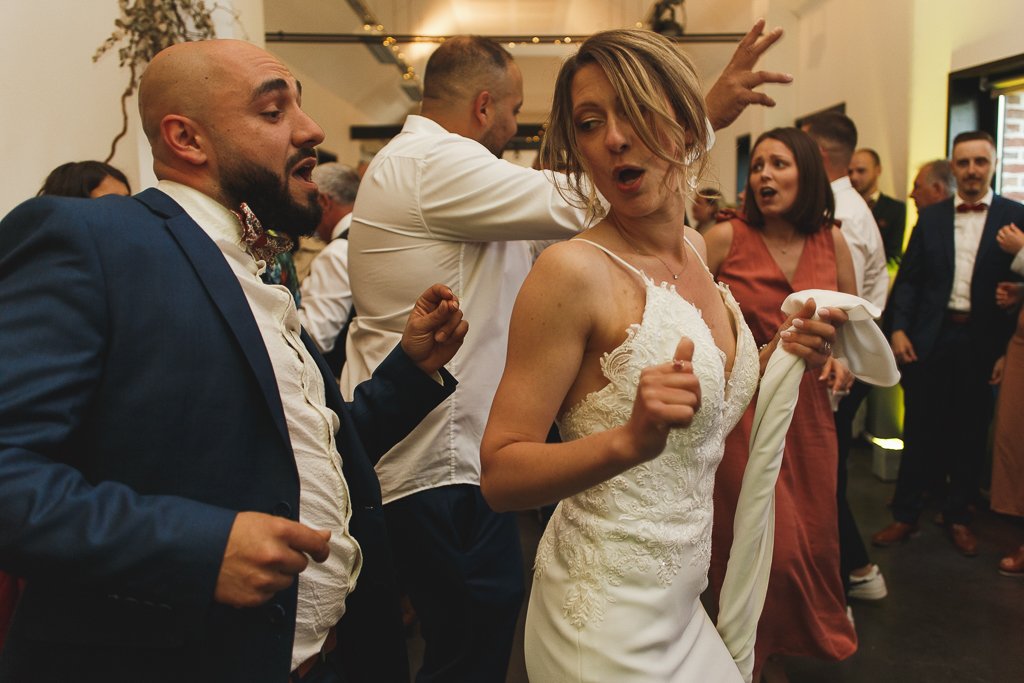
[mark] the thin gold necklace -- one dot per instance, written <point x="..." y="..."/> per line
<point x="622" y="234"/>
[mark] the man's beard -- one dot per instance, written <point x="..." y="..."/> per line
<point x="268" y="195"/>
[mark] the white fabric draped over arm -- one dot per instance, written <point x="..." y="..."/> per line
<point x="865" y="350"/>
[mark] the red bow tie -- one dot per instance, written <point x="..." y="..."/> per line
<point x="264" y="245"/>
<point x="969" y="208"/>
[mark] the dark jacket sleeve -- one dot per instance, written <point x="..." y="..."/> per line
<point x="55" y="336"/>
<point x="394" y="400"/>
<point x="906" y="290"/>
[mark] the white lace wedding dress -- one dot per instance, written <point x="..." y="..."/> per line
<point x="621" y="566"/>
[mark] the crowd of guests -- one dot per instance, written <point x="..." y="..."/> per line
<point x="173" y="499"/>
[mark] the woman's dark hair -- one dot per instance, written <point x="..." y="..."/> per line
<point x="815" y="206"/>
<point x="79" y="179"/>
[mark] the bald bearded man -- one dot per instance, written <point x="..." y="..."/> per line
<point x="173" y="449"/>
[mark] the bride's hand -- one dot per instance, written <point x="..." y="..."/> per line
<point x="667" y="396"/>
<point x="812" y="339"/>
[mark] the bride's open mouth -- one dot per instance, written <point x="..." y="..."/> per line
<point x="628" y="178"/>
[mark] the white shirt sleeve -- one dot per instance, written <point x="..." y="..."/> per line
<point x="469" y="195"/>
<point x="1017" y="265"/>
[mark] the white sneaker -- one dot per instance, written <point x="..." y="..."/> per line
<point x="870" y="587"/>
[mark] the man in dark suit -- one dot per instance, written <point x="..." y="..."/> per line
<point x="170" y="437"/>
<point x="889" y="213"/>
<point x="947" y="333"/>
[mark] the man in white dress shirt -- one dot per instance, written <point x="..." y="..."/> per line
<point x="326" y="293"/>
<point x="836" y="136"/>
<point x="438" y="202"/>
<point x="947" y="333"/>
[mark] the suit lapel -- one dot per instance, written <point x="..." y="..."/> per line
<point x="994" y="220"/>
<point x="222" y="286"/>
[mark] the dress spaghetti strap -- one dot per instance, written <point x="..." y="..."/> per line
<point x="617" y="259"/>
<point x="696" y="253"/>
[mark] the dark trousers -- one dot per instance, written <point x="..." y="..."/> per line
<point x="461" y="564"/>
<point x="852" y="553"/>
<point x="948" y="407"/>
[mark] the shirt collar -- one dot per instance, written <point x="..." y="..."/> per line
<point x="873" y="197"/>
<point x="214" y="218"/>
<point x="342" y="226"/>
<point x="841" y="183"/>
<point x="421" y="124"/>
<point x="986" y="200"/>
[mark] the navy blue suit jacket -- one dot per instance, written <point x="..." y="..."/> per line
<point x="138" y="412"/>
<point x="920" y="295"/>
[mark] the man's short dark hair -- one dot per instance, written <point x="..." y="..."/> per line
<point x="461" y="63"/>
<point x="968" y="136"/>
<point x="836" y="133"/>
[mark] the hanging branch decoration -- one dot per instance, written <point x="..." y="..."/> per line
<point x="149" y="26"/>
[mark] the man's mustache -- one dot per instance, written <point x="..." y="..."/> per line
<point x="299" y="157"/>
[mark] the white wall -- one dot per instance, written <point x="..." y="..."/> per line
<point x="58" y="105"/>
<point x="887" y="60"/>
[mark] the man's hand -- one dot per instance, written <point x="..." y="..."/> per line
<point x="263" y="556"/>
<point x="435" y="329"/>
<point x="902" y="348"/>
<point x="1009" y="294"/>
<point x="836" y="376"/>
<point x="734" y="89"/>
<point x="1010" y="238"/>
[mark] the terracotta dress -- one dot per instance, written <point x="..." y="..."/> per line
<point x="1008" y="450"/>
<point x="805" y="609"/>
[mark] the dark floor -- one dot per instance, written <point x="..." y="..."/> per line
<point x="948" y="619"/>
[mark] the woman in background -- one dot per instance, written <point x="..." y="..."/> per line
<point x="1008" y="442"/>
<point x="787" y="242"/>
<point x="87" y="179"/>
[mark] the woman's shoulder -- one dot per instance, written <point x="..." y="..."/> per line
<point x="573" y="263"/>
<point x="718" y="242"/>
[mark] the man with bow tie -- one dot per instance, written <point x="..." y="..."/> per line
<point x="947" y="334"/>
<point x="173" y="449"/>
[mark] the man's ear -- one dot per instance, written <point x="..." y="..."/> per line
<point x="184" y="139"/>
<point x="482" y="104"/>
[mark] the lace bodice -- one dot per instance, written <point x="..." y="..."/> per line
<point x="650" y="516"/>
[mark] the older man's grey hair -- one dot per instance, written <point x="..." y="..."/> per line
<point x="941" y="171"/>
<point x="337" y="181"/>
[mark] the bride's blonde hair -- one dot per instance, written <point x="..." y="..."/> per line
<point x="660" y="93"/>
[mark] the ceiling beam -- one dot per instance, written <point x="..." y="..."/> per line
<point x="377" y="39"/>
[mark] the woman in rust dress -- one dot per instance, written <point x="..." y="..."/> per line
<point x="1008" y="446"/>
<point x="787" y="243"/>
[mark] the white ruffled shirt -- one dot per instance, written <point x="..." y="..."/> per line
<point x="967" y="230"/>
<point x="324" y="501"/>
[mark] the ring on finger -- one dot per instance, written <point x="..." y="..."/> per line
<point x="826" y="347"/>
<point x="679" y="365"/>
